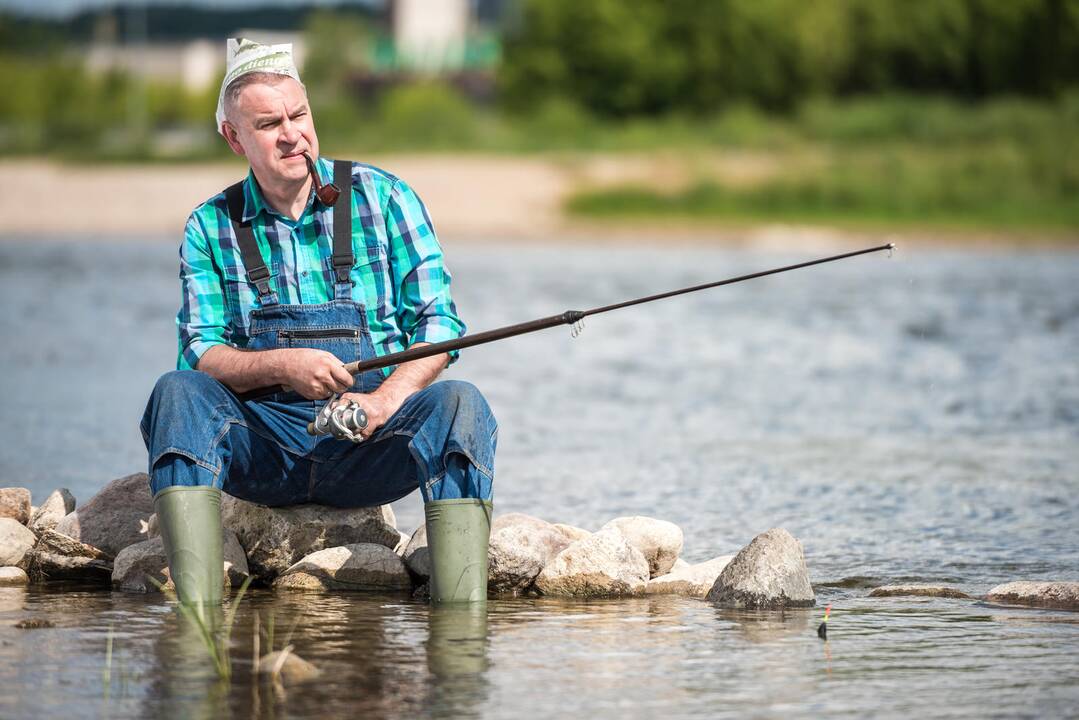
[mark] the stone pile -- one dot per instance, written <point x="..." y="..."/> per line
<point x="114" y="538"/>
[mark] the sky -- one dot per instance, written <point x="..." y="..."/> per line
<point x="66" y="8"/>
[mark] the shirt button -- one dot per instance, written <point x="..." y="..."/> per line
<point x="304" y="273"/>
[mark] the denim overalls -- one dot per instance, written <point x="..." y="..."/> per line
<point x="198" y="432"/>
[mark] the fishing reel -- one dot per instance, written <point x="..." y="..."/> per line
<point x="344" y="420"/>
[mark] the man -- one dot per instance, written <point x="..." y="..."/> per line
<point x="282" y="287"/>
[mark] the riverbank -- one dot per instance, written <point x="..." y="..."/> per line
<point x="472" y="198"/>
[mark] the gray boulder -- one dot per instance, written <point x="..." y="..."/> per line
<point x="12" y="576"/>
<point x="521" y="545"/>
<point x="137" y="564"/>
<point x="59" y="557"/>
<point x="416" y="555"/>
<point x="15" y="541"/>
<point x="658" y="540"/>
<point x="691" y="580"/>
<point x="115" y="517"/>
<point x="360" y="566"/>
<point x="1063" y="595"/>
<point x="918" y="591"/>
<point x="15" y="504"/>
<point x="276" y="538"/>
<point x="147" y="559"/>
<point x="55" y="508"/>
<point x="770" y="573"/>
<point x="599" y="565"/>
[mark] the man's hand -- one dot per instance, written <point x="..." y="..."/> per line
<point x="378" y="406"/>
<point x="315" y="374"/>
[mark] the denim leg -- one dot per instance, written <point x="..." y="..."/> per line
<point x="199" y="433"/>
<point x="442" y="440"/>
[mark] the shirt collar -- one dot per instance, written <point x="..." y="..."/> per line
<point x="254" y="203"/>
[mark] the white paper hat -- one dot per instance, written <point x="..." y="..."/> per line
<point x="243" y="56"/>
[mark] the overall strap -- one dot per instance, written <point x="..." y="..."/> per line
<point x="249" y="248"/>
<point x="343" y="257"/>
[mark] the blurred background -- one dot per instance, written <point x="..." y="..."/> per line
<point x="958" y="116"/>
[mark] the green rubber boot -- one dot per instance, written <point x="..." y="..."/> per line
<point x="190" y="522"/>
<point x="457" y="536"/>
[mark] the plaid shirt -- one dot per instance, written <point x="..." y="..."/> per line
<point x="398" y="273"/>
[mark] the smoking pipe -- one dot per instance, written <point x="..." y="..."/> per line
<point x="328" y="193"/>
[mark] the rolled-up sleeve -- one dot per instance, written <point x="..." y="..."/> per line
<point x="425" y="310"/>
<point x="201" y="322"/>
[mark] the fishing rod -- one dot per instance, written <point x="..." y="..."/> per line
<point x="351" y="417"/>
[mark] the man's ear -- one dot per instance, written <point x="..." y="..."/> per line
<point x="232" y="138"/>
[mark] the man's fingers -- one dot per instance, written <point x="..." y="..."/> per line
<point x="341" y="376"/>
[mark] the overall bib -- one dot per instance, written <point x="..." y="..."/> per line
<point x="199" y="433"/>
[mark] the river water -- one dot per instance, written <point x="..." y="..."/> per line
<point x="909" y="419"/>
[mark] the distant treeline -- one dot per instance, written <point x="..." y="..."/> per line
<point x="653" y="57"/>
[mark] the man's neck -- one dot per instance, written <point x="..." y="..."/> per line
<point x="288" y="199"/>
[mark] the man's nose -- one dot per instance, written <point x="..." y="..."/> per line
<point x="290" y="134"/>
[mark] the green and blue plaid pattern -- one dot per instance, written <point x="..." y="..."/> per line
<point x="398" y="275"/>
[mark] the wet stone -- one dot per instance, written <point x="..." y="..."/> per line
<point x="288" y="667"/>
<point x="59" y="557"/>
<point x="13" y="576"/>
<point x="1061" y="595"/>
<point x="520" y="547"/>
<point x="277" y="538"/>
<point x="361" y="566"/>
<point x="416" y="555"/>
<point x="768" y="574"/>
<point x="918" y="591"/>
<point x="689" y="580"/>
<point x="603" y="564"/>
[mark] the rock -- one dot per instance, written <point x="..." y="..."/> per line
<point x="59" y="557"/>
<point x="601" y="564"/>
<point x="770" y="573"/>
<point x="276" y="538"/>
<point x="15" y="541"/>
<point x="56" y="507"/>
<point x="402" y="543"/>
<point x="917" y="590"/>
<point x="679" y="564"/>
<point x="137" y="563"/>
<point x="15" y="504"/>
<point x="658" y="540"/>
<point x="360" y="566"/>
<point x="152" y="527"/>
<point x="236" y="569"/>
<point x="288" y="667"/>
<point x="521" y="545"/>
<point x="691" y="580"/>
<point x="1063" y="595"/>
<point x="115" y="517"/>
<point x="573" y="534"/>
<point x="416" y="555"/>
<point x="10" y="576"/>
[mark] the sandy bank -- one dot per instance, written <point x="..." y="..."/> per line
<point x="470" y="197"/>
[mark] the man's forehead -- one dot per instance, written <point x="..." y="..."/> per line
<point x="268" y="97"/>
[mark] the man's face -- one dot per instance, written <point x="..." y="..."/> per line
<point x="271" y="125"/>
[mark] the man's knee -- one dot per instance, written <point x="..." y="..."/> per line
<point x="181" y="394"/>
<point x="469" y="405"/>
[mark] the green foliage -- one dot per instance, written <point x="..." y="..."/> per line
<point x="895" y="160"/>
<point x="656" y="57"/>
